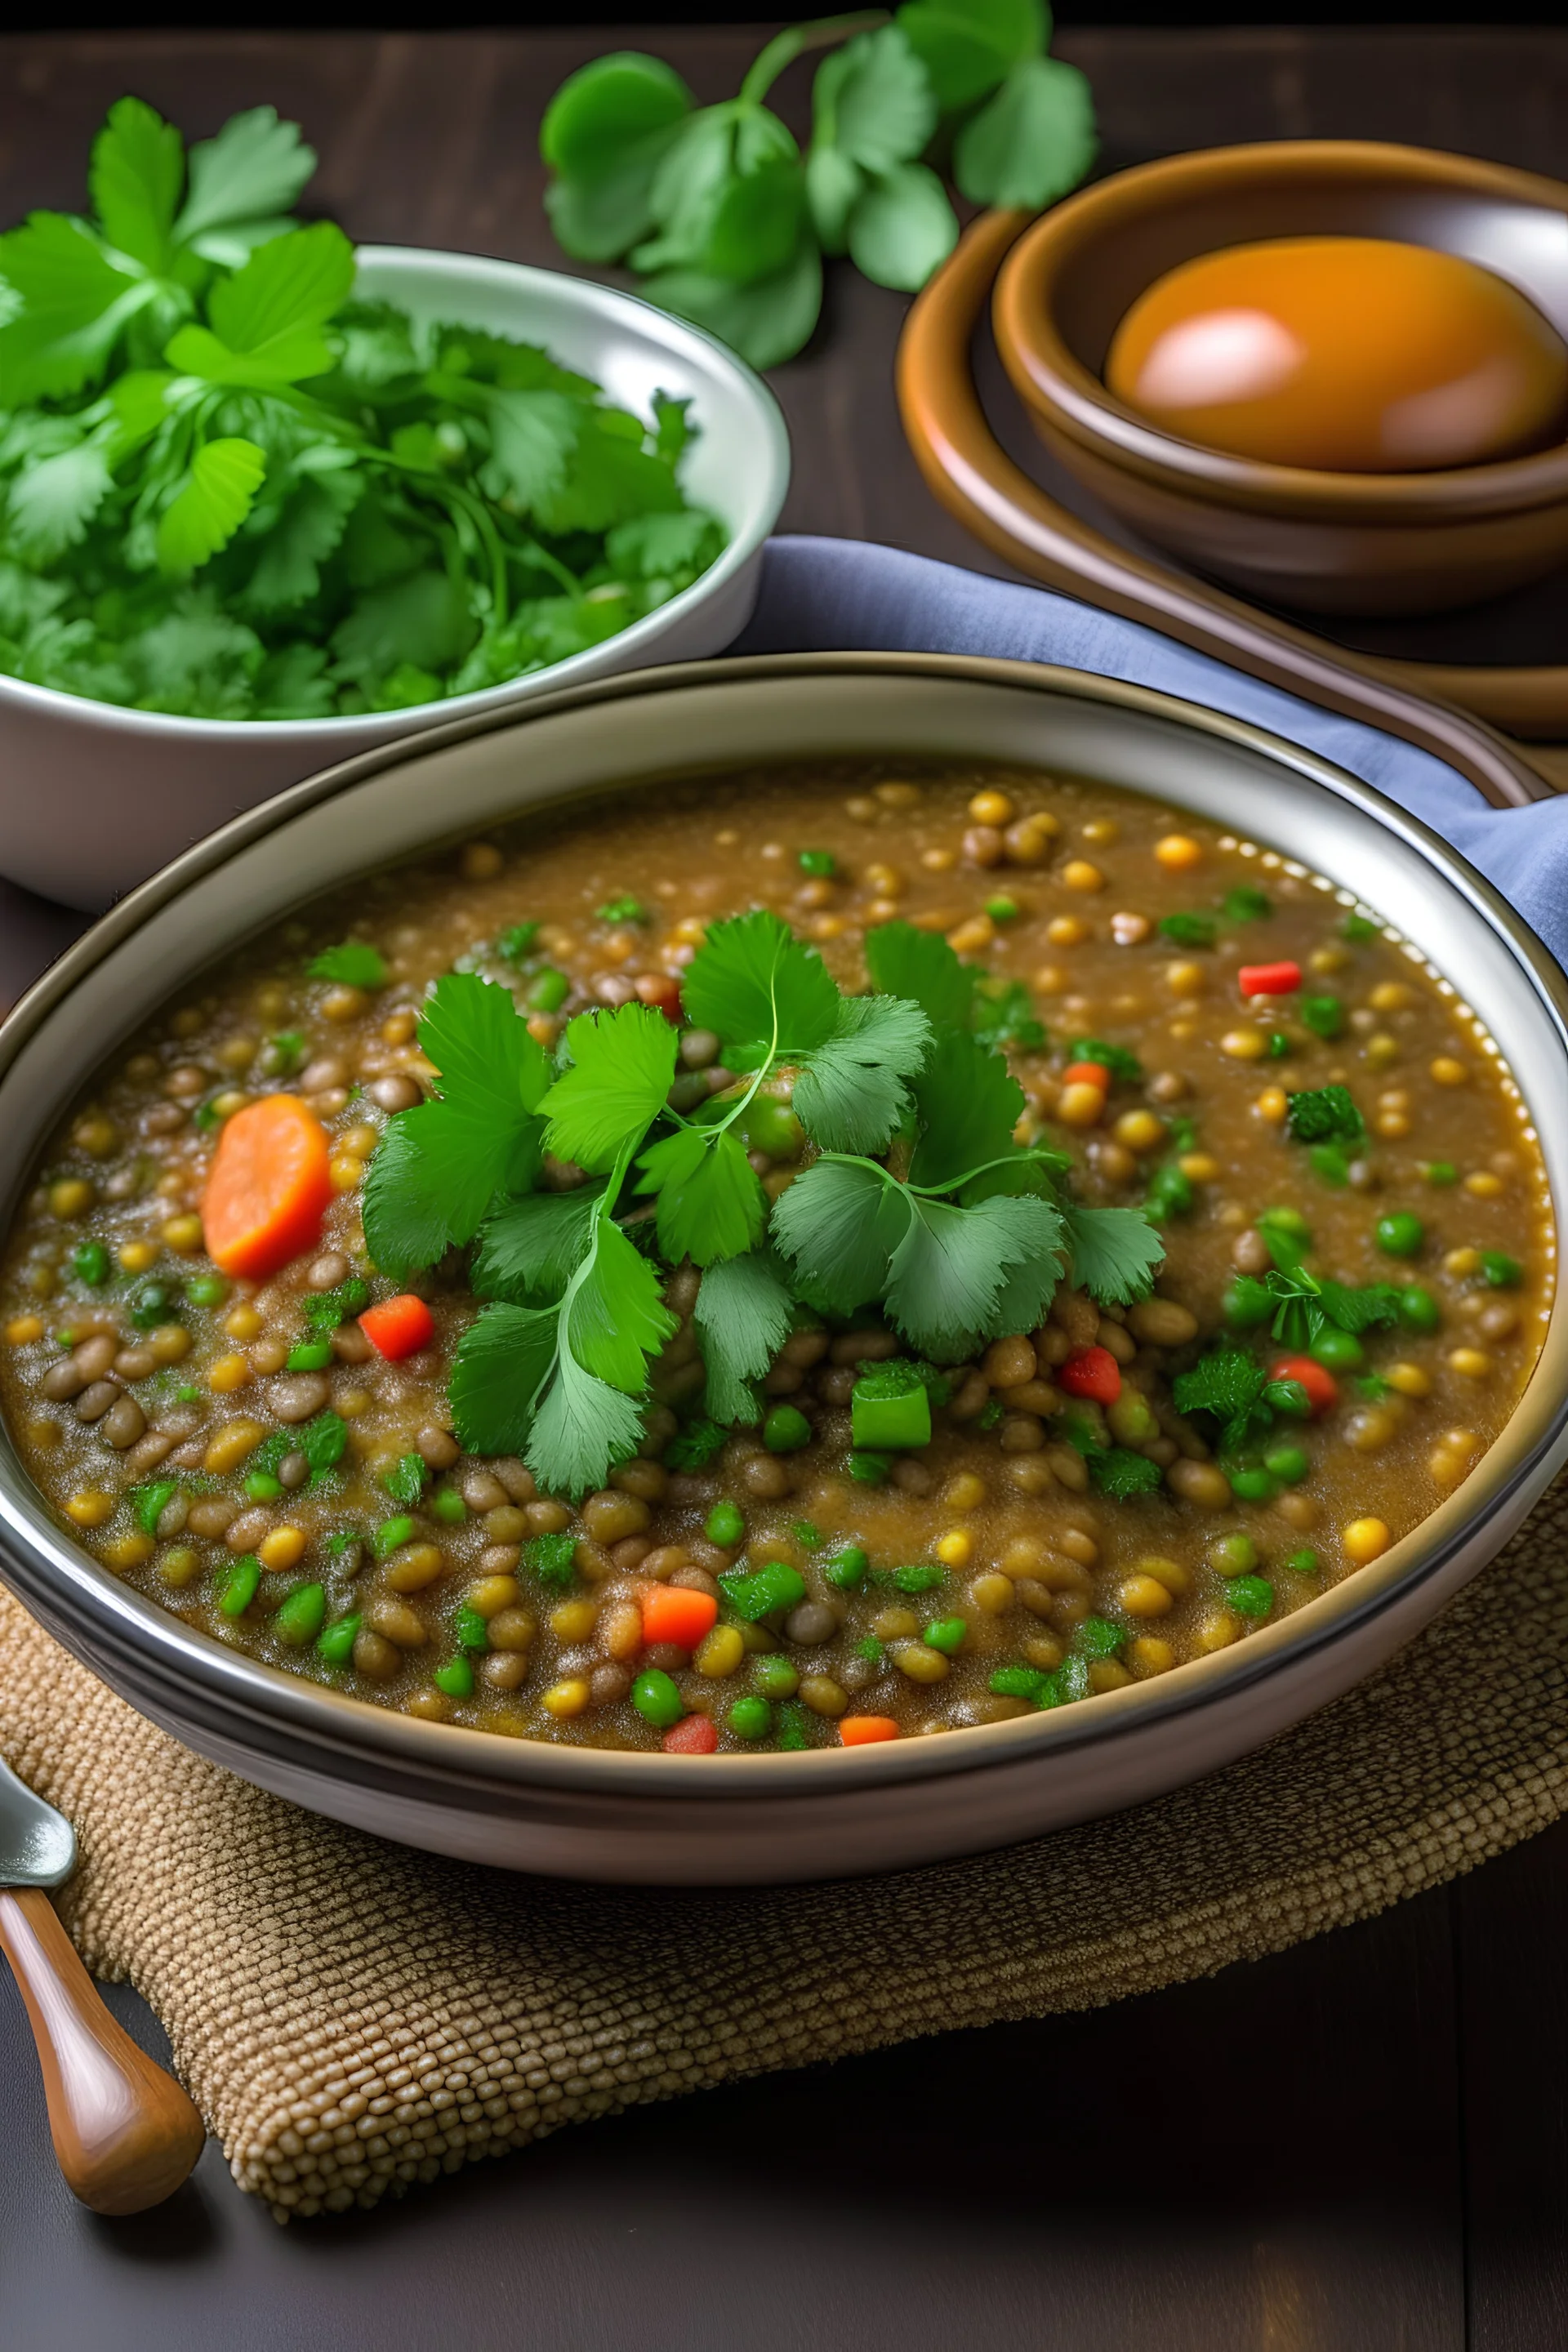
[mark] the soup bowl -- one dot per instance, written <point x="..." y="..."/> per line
<point x="612" y="1814"/>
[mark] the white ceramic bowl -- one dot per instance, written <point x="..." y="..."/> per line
<point x="94" y="798"/>
<point x="594" y="1812"/>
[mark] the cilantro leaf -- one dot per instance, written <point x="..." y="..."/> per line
<point x="1123" y="1065"/>
<point x="961" y="1272"/>
<point x="1358" y="1310"/>
<point x="68" y="304"/>
<point x="352" y="965"/>
<point x="503" y="1359"/>
<point x="921" y="967"/>
<point x="967" y="47"/>
<point x="621" y="1068"/>
<point x="1115" y="1252"/>
<point x="604" y="134"/>
<point x="533" y="436"/>
<point x="552" y="1558"/>
<point x="761" y="992"/>
<point x="614" y="1315"/>
<point x="1324" y="1115"/>
<point x="710" y="1201"/>
<point x="1247" y="904"/>
<point x="696" y="1445"/>
<point x="406" y="1481"/>
<point x="52" y="501"/>
<point x="529" y="1248"/>
<point x="744" y="1315"/>
<point x="1117" y="1472"/>
<point x="1031" y="142"/>
<point x="1189" y="930"/>
<point x="241" y="184"/>
<point x="216" y="495"/>
<point x="968" y="1102"/>
<point x="1005" y="1018"/>
<point x="849" y="1095"/>
<point x="838" y="1225"/>
<point x="137" y="171"/>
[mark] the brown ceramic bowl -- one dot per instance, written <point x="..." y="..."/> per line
<point x="1324" y="542"/>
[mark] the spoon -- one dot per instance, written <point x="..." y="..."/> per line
<point x="125" y="2133"/>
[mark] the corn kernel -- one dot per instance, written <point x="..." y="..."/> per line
<point x="22" y="1329"/>
<point x="956" y="1549"/>
<point x="918" y="1661"/>
<point x="346" y="1168"/>
<point x="284" y="1547"/>
<point x="969" y="937"/>
<point x="992" y="1594"/>
<point x="1219" y="1630"/>
<point x="342" y="1004"/>
<point x="1140" y="1130"/>
<point x="243" y="1323"/>
<point x="1080" y="1105"/>
<point x="1067" y="931"/>
<point x="1408" y="1380"/>
<point x="1144" y="1596"/>
<point x="481" y="861"/>
<point x="88" y="1509"/>
<point x="180" y="1566"/>
<point x="137" y="1257"/>
<point x="1149" y="1656"/>
<point x="230" y="1445"/>
<point x="1471" y="1363"/>
<point x="1382" y="1051"/>
<point x="184" y="1235"/>
<point x="229" y="1372"/>
<point x="966" y="1491"/>
<point x="992" y="808"/>
<point x="1449" y="1072"/>
<point x="1392" y="1125"/>
<point x="1483" y="1185"/>
<point x="885" y="881"/>
<point x="1077" y="873"/>
<point x="170" y="1343"/>
<point x="412" y="1568"/>
<point x="1364" y="1540"/>
<point x="721" y="1653"/>
<point x="1201" y="1167"/>
<point x="491" y="1594"/>
<point x="1107" y="1675"/>
<point x="1170" y="1573"/>
<point x="573" y="1620"/>
<point x="1390" y="996"/>
<point x="1462" y="1263"/>
<point x="72" y="1196"/>
<point x="1101" y="831"/>
<point x="566" y="1698"/>
<point x="1272" y="1104"/>
<point x="127" y="1552"/>
<point x="1177" y="852"/>
<point x="1329" y="959"/>
<point x="1246" y="1045"/>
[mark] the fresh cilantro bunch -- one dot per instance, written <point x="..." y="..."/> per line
<point x="232" y="490"/>
<point x="1239" y="1393"/>
<point x="727" y="222"/>
<point x="916" y="1199"/>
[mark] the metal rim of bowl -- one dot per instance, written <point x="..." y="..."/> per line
<point x="72" y="1589"/>
<point x="771" y="466"/>
<point x="1052" y="380"/>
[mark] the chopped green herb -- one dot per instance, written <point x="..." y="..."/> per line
<point x="1170" y="1194"/>
<point x="552" y="1558"/>
<point x="1250" y="1596"/>
<point x="1096" y="1637"/>
<point x="355" y="964"/>
<point x="1120" y="1473"/>
<point x="818" y="862"/>
<point x="625" y="909"/>
<point x="405" y="1482"/>
<point x="847" y="1568"/>
<point x="923" y="1577"/>
<point x="807" y="1534"/>
<point x="1124" y="1066"/>
<point x="1188" y="931"/>
<point x="793" y="1725"/>
<point x="1246" y="903"/>
<point x="1015" y="1682"/>
<point x="1323" y="1015"/>
<point x="1279" y="1044"/>
<point x="321" y="1440"/>
<point x="284" y="1054"/>
<point x="948" y="1635"/>
<point x="695" y="1446"/>
<point x="149" y="1502"/>
<point x="516" y="942"/>
<point x="754" y="1593"/>
<point x="325" y="1309"/>
<point x="874" y="1652"/>
<point x="1324" y="1115"/>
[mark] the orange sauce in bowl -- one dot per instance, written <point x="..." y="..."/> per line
<point x="1345" y="353"/>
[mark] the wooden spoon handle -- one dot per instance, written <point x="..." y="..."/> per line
<point x="124" y="2132"/>
<point x="974" y="478"/>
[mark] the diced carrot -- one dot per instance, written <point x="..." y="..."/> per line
<point x="662" y="990"/>
<point x="860" y="1730"/>
<point x="1322" y="1389"/>
<point x="399" y="1327"/>
<point x="269" y="1187"/>
<point x="1087" y="1073"/>
<point x="670" y="1612"/>
<point x="1091" y="1372"/>
<point x="694" y="1735"/>
<point x="1268" y="979"/>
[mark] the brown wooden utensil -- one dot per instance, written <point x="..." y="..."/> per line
<point x="974" y="478"/>
<point x="124" y="2132"/>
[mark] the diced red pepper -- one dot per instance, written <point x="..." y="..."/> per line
<point x="1268" y="979"/>
<point x="399" y="1327"/>
<point x="1087" y="1073"/>
<point x="662" y="990"/>
<point x="1322" y="1389"/>
<point x="860" y="1730"/>
<point x="694" y="1735"/>
<point x="670" y="1612"/>
<point x="1091" y="1372"/>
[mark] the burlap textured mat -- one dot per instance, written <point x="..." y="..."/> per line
<point x="352" y="2017"/>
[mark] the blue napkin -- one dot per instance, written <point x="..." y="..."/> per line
<point x="823" y="596"/>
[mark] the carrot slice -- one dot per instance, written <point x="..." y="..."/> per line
<point x="860" y="1730"/>
<point x="268" y="1188"/>
<point x="672" y="1613"/>
<point x="399" y="1327"/>
<point x="694" y="1735"/>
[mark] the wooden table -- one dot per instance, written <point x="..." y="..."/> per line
<point x="1359" y="2146"/>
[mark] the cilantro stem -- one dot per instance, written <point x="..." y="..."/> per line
<point x="784" y="47"/>
<point x="952" y="1183"/>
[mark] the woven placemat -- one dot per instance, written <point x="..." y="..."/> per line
<point x="352" y="2017"/>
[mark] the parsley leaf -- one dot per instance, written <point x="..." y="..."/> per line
<point x="621" y="1068"/>
<point x="1358" y="1310"/>
<point x="743" y="1315"/>
<point x="355" y="964"/>
<point x="552" y="1558"/>
<point x="1324" y="1115"/>
<point x="1115" y="1252"/>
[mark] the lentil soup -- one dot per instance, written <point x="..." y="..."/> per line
<point x="541" y="1289"/>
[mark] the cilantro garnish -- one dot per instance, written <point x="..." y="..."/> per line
<point x="1246" y="903"/>
<point x="321" y="1440"/>
<point x="1325" y="1115"/>
<point x="1123" y="1065"/>
<point x="1236" y="1391"/>
<point x="552" y="1558"/>
<point x="919" y="965"/>
<point x="1117" y="1472"/>
<point x="355" y="964"/>
<point x="284" y="1052"/>
<point x="624" y="909"/>
<point x="1189" y="930"/>
<point x="233" y="491"/>
<point x="325" y="1309"/>
<point x="1005" y="1018"/>
<point x="406" y="1481"/>
<point x="514" y="944"/>
<point x="696" y="1446"/>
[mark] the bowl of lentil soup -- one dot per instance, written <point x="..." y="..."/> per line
<point x="1063" y="1278"/>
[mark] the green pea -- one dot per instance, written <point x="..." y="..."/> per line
<point x="1245" y="1307"/>
<point x="847" y="1568"/>
<point x="774" y="1677"/>
<point x="1253" y="1486"/>
<point x="946" y="1636"/>
<point x="1289" y="1463"/>
<point x="1252" y="1596"/>
<point x="871" y="1469"/>
<point x="90" y="1264"/>
<point x="1287" y="1221"/>
<point x="1304" y="1562"/>
<point x="820" y="862"/>
<point x="1002" y="909"/>
<point x="1439" y="1171"/>
<point x="263" y="1487"/>
<point x="310" y="1356"/>
<point x="787" y="1430"/>
<point x="470" y="1628"/>
<point x="771" y="1126"/>
<point x="390" y="1535"/>
<point x="657" y="1700"/>
<point x="548" y="991"/>
<point x="751" y="1719"/>
<point x="301" y="1618"/>
<point x="1503" y="1273"/>
<point x="1234" y="1555"/>
<point x="448" y="1507"/>
<point x="725" y="1524"/>
<point x="1401" y="1234"/>
<point x="1324" y="1015"/>
<point x="154" y="1303"/>
<point x="455" y="1678"/>
<point x="1337" y="1352"/>
<point x="336" y="1645"/>
<point x="236" y="1588"/>
<point x="1419" y="1309"/>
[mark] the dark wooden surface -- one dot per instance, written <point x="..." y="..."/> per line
<point x="1358" y="2147"/>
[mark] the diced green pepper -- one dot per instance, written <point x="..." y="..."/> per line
<point x="310" y="1356"/>
<point x="236" y="1587"/>
<point x="947" y="1635"/>
<point x="754" y="1593"/>
<point x="336" y="1645"/>
<point x="890" y="1407"/>
<point x="847" y="1568"/>
<point x="1251" y="1596"/>
<point x="301" y="1615"/>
